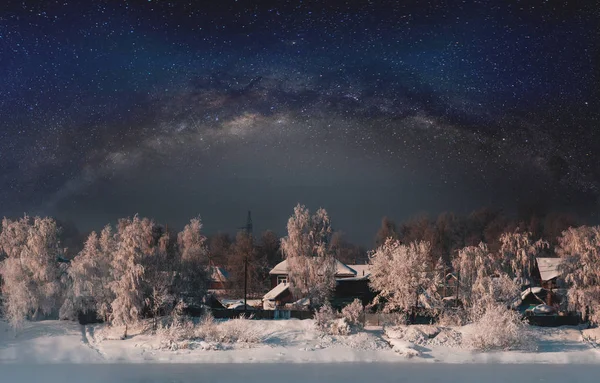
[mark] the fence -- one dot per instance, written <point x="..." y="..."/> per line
<point x="263" y="314"/>
<point x="390" y="319"/>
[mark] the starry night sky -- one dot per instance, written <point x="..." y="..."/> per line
<point x="173" y="109"/>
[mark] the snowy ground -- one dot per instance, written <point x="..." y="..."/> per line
<point x="284" y="341"/>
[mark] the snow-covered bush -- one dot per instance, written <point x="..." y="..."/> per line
<point x="499" y="328"/>
<point x="329" y="322"/>
<point x="207" y="327"/>
<point x="353" y="313"/>
<point x="176" y="335"/>
<point x="339" y="326"/>
<point x="323" y="318"/>
<point x="239" y="330"/>
<point x="453" y="318"/>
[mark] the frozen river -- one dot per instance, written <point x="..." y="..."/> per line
<point x="291" y="373"/>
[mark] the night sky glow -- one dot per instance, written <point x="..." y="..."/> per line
<point x="173" y="109"/>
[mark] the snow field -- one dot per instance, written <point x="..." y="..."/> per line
<point x="282" y="341"/>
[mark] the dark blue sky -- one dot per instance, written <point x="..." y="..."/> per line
<point x="173" y="109"/>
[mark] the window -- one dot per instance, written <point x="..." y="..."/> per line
<point x="281" y="279"/>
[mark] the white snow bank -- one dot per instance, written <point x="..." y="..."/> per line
<point x="287" y="341"/>
<point x="404" y="348"/>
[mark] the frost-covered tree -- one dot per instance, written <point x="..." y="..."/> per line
<point x="487" y="291"/>
<point x="160" y="270"/>
<point x="310" y="260"/>
<point x="135" y="244"/>
<point x="91" y="277"/>
<point x="472" y="263"/>
<point x="518" y="252"/>
<point x="31" y="273"/>
<point x="579" y="249"/>
<point x="195" y="264"/>
<point x="403" y="277"/>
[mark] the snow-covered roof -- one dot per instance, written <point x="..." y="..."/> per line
<point x="276" y="291"/>
<point x="280" y="268"/>
<point x="531" y="290"/>
<point x="548" y="268"/>
<point x="340" y="269"/>
<point x="218" y="274"/>
<point x="240" y="306"/>
<point x="361" y="270"/>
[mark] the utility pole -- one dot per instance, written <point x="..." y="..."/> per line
<point x="248" y="230"/>
<point x="245" y="283"/>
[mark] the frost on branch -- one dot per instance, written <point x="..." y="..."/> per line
<point x="30" y="272"/>
<point x="402" y="275"/>
<point x="310" y="259"/>
<point x="329" y="322"/>
<point x="471" y="264"/>
<point x="518" y="252"/>
<point x="194" y="262"/>
<point x="579" y="249"/>
<point x="90" y="276"/>
<point x="493" y="290"/>
<point x="135" y="240"/>
<point x="353" y="313"/>
<point x="499" y="328"/>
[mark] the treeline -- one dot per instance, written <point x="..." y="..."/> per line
<point x="450" y="232"/>
<point x="139" y="268"/>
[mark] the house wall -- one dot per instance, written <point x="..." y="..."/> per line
<point x="274" y="279"/>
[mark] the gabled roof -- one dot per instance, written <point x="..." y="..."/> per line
<point x="280" y="268"/>
<point x="361" y="270"/>
<point x="341" y="270"/>
<point x="276" y="291"/>
<point x="218" y="274"/>
<point x="548" y="268"/>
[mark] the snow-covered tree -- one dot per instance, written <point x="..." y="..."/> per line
<point x="31" y="273"/>
<point x="472" y="263"/>
<point x="499" y="289"/>
<point x="310" y="260"/>
<point x="195" y="262"/>
<point x="135" y="244"/>
<point x="403" y="277"/>
<point x="579" y="249"/>
<point x="91" y="277"/>
<point x="160" y="270"/>
<point x="518" y="252"/>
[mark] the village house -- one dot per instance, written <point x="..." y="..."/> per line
<point x="351" y="282"/>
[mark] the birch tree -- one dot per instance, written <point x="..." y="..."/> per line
<point x="135" y="240"/>
<point x="472" y="263"/>
<point x="579" y="249"/>
<point x="401" y="274"/>
<point x="91" y="277"/>
<point x="311" y="263"/>
<point x="194" y="258"/>
<point x="518" y="252"/>
<point x="30" y="272"/>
